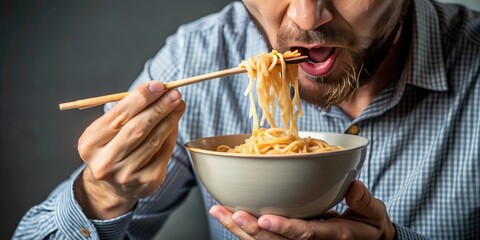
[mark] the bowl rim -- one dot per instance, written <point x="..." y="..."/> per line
<point x="279" y="155"/>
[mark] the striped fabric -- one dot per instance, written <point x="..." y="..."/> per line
<point x="423" y="160"/>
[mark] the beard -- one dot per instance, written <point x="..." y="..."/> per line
<point x="355" y="64"/>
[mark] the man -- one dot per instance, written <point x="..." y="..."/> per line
<point x="404" y="74"/>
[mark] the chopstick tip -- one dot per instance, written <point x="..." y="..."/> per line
<point x="298" y="59"/>
<point x="68" y="105"/>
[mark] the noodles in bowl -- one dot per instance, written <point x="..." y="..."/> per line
<point x="274" y="82"/>
<point x="278" y="141"/>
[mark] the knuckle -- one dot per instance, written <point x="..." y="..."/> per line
<point x="159" y="108"/>
<point x="252" y="230"/>
<point x="228" y="225"/>
<point x="99" y="173"/>
<point x="142" y="98"/>
<point x="85" y="147"/>
<point x="134" y="130"/>
<point x="120" y="118"/>
<point x="101" y="167"/>
<point x="345" y="234"/>
<point x="124" y="179"/>
<point x="305" y="236"/>
<point x="308" y="234"/>
<point x="156" y="141"/>
<point x="161" y="138"/>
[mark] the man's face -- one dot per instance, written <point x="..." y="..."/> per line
<point x="346" y="40"/>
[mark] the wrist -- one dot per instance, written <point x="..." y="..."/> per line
<point x="98" y="199"/>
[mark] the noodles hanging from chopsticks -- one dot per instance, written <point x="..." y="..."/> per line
<point x="274" y="79"/>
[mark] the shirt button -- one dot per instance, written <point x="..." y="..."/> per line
<point x="353" y="129"/>
<point x="85" y="232"/>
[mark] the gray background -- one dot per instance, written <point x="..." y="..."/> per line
<point x="56" y="51"/>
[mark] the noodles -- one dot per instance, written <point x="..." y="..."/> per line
<point x="274" y="79"/>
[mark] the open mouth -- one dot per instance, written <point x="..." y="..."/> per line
<point x="320" y="60"/>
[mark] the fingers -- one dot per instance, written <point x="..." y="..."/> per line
<point x="335" y="228"/>
<point x="138" y="128"/>
<point x="224" y="216"/>
<point x="129" y="147"/>
<point x="296" y="228"/>
<point x="242" y="224"/>
<point x="250" y="225"/>
<point x="143" y="171"/>
<point x="154" y="173"/>
<point x="290" y="228"/>
<point x="106" y="127"/>
<point x="160" y="142"/>
<point x="365" y="219"/>
<point x="138" y="124"/>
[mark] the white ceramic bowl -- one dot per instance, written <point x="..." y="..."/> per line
<point x="295" y="185"/>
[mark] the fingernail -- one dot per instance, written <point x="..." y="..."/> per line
<point x="156" y="87"/>
<point x="265" y="224"/>
<point x="216" y="214"/>
<point x="238" y="220"/>
<point x="173" y="95"/>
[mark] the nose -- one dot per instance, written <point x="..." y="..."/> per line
<point x="309" y="14"/>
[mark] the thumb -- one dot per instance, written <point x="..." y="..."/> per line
<point x="365" y="208"/>
<point x="362" y="203"/>
<point x="358" y="197"/>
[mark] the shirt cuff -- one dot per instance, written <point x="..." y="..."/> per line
<point x="72" y="222"/>
<point x="406" y="233"/>
<point x="113" y="228"/>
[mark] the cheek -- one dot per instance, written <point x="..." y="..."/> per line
<point x="362" y="15"/>
<point x="270" y="14"/>
<point x="271" y="25"/>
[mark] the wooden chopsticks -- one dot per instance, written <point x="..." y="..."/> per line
<point x="96" y="101"/>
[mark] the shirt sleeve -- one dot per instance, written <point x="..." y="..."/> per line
<point x="58" y="217"/>
<point x="404" y="233"/>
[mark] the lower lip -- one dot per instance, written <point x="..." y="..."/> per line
<point x="320" y="69"/>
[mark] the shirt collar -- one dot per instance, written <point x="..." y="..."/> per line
<point x="425" y="66"/>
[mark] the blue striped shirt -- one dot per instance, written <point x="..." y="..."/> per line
<point x="423" y="160"/>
